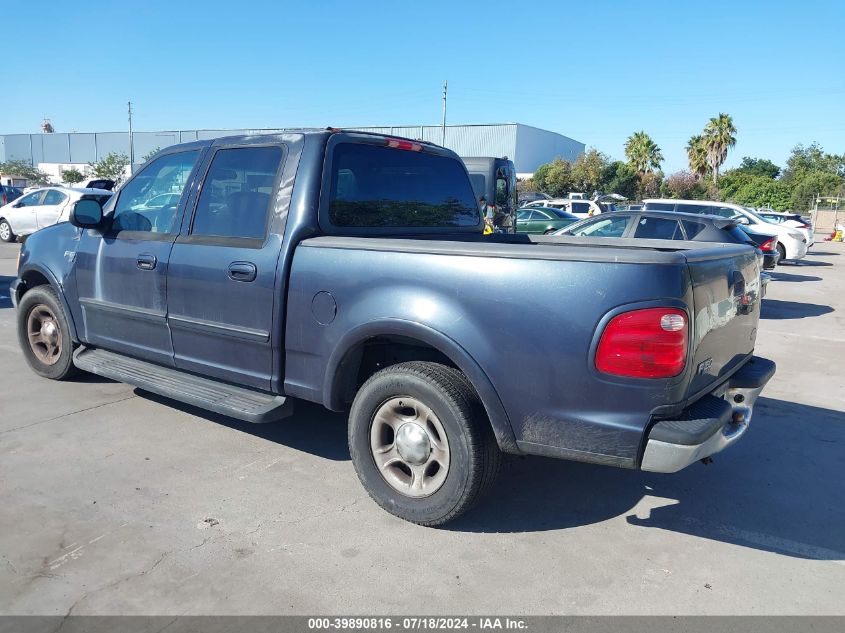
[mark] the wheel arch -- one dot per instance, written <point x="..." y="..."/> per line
<point x="343" y="370"/>
<point x="32" y="276"/>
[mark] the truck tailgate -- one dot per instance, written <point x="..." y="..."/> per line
<point x="726" y="304"/>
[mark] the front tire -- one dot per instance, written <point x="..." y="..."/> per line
<point x="6" y="233"/>
<point x="421" y="443"/>
<point x="44" y="334"/>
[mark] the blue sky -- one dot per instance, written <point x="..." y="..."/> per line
<point x="596" y="71"/>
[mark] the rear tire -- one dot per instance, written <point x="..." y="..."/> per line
<point x="421" y="443"/>
<point x="44" y="334"/>
<point x="6" y="233"/>
<point x="782" y="251"/>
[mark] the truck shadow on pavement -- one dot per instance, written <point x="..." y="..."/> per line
<point x="778" y="309"/>
<point x="311" y="429"/>
<point x="779" y="276"/>
<point x="5" y="296"/>
<point x="778" y="490"/>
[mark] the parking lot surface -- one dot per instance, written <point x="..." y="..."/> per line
<point x="115" y="501"/>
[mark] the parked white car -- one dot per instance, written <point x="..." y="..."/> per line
<point x="41" y="208"/>
<point x="792" y="245"/>
<point x="576" y="206"/>
<point x="790" y="219"/>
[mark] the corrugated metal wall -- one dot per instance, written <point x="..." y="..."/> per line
<point x="527" y="146"/>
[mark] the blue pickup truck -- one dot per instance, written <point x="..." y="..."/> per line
<point x="350" y="269"/>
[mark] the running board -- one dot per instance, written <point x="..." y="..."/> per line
<point x="206" y="393"/>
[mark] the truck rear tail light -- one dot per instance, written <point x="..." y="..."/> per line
<point x="648" y="343"/>
<point x="768" y="245"/>
<point x="396" y="143"/>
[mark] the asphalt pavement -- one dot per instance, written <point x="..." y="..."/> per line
<point x="113" y="501"/>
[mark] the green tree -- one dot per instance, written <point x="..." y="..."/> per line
<point x="113" y="167"/>
<point x="149" y="155"/>
<point x="719" y="136"/>
<point x="697" y="157"/>
<point x="589" y="170"/>
<point x="23" y="169"/>
<point x="643" y="153"/>
<point x="759" y="167"/>
<point x="72" y="176"/>
<point x="804" y="190"/>
<point x="762" y="191"/>
<point x="554" y="178"/>
<point x="619" y="177"/>
<point x="813" y="158"/>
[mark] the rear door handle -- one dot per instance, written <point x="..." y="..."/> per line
<point x="146" y="262"/>
<point x="242" y="271"/>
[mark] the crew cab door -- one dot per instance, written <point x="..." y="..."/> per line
<point x="121" y="274"/>
<point x="51" y="207"/>
<point x="23" y="216"/>
<point x="222" y="276"/>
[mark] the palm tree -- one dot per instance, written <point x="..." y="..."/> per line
<point x="697" y="156"/>
<point x="718" y="139"/>
<point x="643" y="153"/>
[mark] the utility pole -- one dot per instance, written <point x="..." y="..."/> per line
<point x="131" y="142"/>
<point x="443" y="135"/>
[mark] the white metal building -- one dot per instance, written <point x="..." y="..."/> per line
<point x="528" y="147"/>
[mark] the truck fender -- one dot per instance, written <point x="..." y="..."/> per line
<point x="53" y="281"/>
<point x="354" y="339"/>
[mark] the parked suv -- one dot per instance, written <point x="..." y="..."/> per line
<point x="792" y="245"/>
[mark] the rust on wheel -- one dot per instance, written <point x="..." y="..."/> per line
<point x="44" y="334"/>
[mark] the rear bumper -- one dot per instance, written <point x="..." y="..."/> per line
<point x="711" y="424"/>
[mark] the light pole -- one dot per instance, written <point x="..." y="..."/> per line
<point x="131" y="142"/>
<point x="443" y="135"/>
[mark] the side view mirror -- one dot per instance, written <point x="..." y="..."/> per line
<point x="17" y="205"/>
<point x="86" y="214"/>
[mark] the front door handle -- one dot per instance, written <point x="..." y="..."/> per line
<point x="242" y="271"/>
<point x="146" y="262"/>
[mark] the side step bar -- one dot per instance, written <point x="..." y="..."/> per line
<point x="206" y="393"/>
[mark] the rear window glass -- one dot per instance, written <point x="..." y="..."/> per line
<point x="384" y="187"/>
<point x="580" y="207"/>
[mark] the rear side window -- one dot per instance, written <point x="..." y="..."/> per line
<point x="660" y="206"/>
<point x="54" y="197"/>
<point x="236" y="193"/>
<point x="692" y="228"/>
<point x="658" y="229"/>
<point x="374" y="186"/>
<point x="604" y="227"/>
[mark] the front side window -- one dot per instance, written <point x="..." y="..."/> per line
<point x="373" y="186"/>
<point x="54" y="197"/>
<point x="149" y="201"/>
<point x="31" y="200"/>
<point x="604" y="227"/>
<point x="236" y="193"/>
<point x="724" y="212"/>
